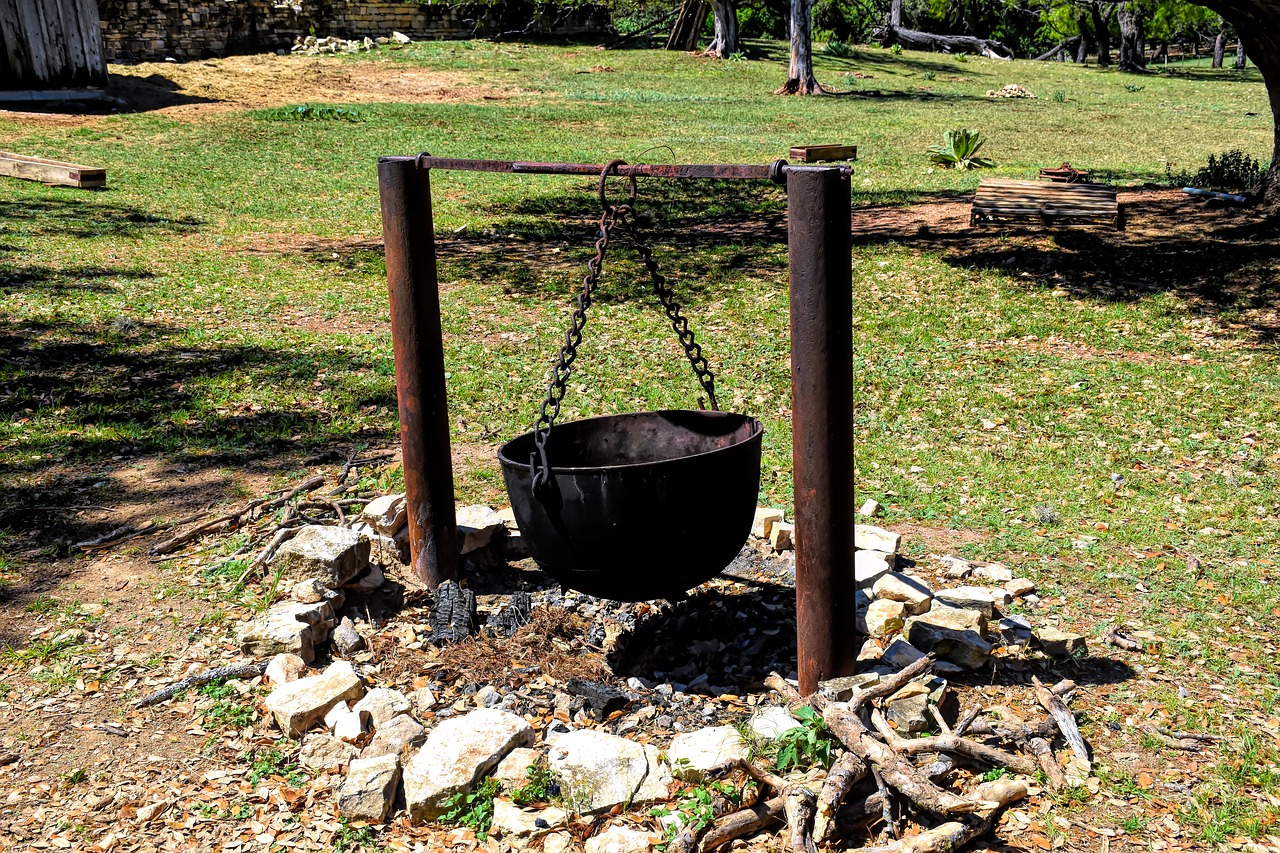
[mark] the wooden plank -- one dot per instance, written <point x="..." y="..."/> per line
<point x="39" y="95"/>
<point x="74" y="71"/>
<point x="1038" y="203"/>
<point x="51" y="171"/>
<point x="16" y="61"/>
<point x="31" y="21"/>
<point x="817" y="153"/>
<point x="95" y="61"/>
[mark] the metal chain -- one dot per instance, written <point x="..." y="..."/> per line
<point x="612" y="215"/>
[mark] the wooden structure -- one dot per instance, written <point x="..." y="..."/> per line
<point x="50" y="45"/>
<point x="51" y="171"/>
<point x="688" y="25"/>
<point x="819" y="153"/>
<point x="1039" y="203"/>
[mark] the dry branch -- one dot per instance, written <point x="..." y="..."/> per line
<point x="235" y="518"/>
<point x="1048" y="762"/>
<point x="846" y="772"/>
<point x="1065" y="720"/>
<point x="969" y="749"/>
<point x="249" y="670"/>
<point x="800" y="807"/>
<point x="956" y="834"/>
<point x="749" y="821"/>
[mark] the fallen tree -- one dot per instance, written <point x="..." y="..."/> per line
<point x="889" y="35"/>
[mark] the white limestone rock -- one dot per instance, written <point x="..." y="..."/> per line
<point x="513" y="771"/>
<point x="1018" y="587"/>
<point x="868" y="537"/>
<point x="394" y="736"/>
<point x="968" y="598"/>
<point x="513" y="822"/>
<point x="764" y="521"/>
<point x="333" y="554"/>
<point x="368" y="580"/>
<point x="385" y="514"/>
<point x="369" y="789"/>
<point x="296" y="706"/>
<point x="345" y="723"/>
<point x="900" y="654"/>
<point x="598" y="771"/>
<point x="695" y="755"/>
<point x="870" y="566"/>
<point x="458" y="752"/>
<point x="383" y="703"/>
<point x="870" y="508"/>
<point x="771" y="721"/>
<point x="914" y="593"/>
<point x="622" y="839"/>
<point x="842" y="689"/>
<point x="324" y="753"/>
<point x="953" y="634"/>
<point x="782" y="536"/>
<point x="289" y="627"/>
<point x="1059" y="644"/>
<point x="284" y="668"/>
<point x="477" y="526"/>
<point x="883" y="617"/>
<point x="315" y="590"/>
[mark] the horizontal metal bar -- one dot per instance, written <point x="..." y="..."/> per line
<point x="775" y="171"/>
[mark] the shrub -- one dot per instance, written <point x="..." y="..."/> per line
<point x="1231" y="171"/>
<point x="959" y="150"/>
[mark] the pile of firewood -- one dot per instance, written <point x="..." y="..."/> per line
<point x="882" y="776"/>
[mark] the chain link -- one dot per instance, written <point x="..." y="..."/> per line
<point x="610" y="218"/>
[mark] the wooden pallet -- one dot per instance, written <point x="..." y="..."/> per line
<point x="1039" y="203"/>
<point x="51" y="171"/>
<point x="818" y="153"/>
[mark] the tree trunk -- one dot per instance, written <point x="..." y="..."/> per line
<point x="1086" y="39"/>
<point x="1132" y="37"/>
<point x="1101" y="33"/>
<point x="724" y="41"/>
<point x="689" y="20"/>
<point x="1161" y="53"/>
<point x="1261" y="20"/>
<point x="800" y="79"/>
<point x="1063" y="48"/>
<point x="1219" y="48"/>
<point x="895" y="14"/>
<point x="1240" y="59"/>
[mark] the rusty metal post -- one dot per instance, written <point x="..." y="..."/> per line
<point x="409" y="237"/>
<point x="819" y="241"/>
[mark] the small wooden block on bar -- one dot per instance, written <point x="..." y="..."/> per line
<point x="816" y="153"/>
<point x="51" y="171"/>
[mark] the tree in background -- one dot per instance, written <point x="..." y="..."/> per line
<point x="800" y="77"/>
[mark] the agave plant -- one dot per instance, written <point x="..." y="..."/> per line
<point x="959" y="150"/>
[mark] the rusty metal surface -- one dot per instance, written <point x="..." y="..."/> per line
<point x="638" y="506"/>
<point x="819" y="244"/>
<point x="409" y="238"/>
<point x="775" y="171"/>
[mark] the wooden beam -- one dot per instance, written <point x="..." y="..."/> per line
<point x="51" y="171"/>
<point x="817" y="153"/>
<point x="38" y="95"/>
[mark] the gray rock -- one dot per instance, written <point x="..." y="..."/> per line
<point x="477" y="526"/>
<point x="909" y="714"/>
<point x="511" y="821"/>
<point x="368" y="580"/>
<point x="384" y="551"/>
<point x="394" y="736"/>
<point x="870" y="566"/>
<point x="346" y="638"/>
<point x="967" y="598"/>
<point x="954" y="567"/>
<point x="423" y="700"/>
<point x="400" y="38"/>
<point x="900" y="654"/>
<point x="697" y="754"/>
<point x="914" y="593"/>
<point x="1059" y="644"/>
<point x="598" y="771"/>
<point x="284" y="668"/>
<point x="458" y="752"/>
<point x="868" y="537"/>
<point x="289" y="627"/>
<point x="870" y="508"/>
<point x="324" y="753"/>
<point x="369" y="789"/>
<point x="1015" y="630"/>
<point x="334" y="554"/>
<point x="296" y="706"/>
<point x="996" y="572"/>
<point x="842" y="689"/>
<point x="559" y="842"/>
<point x="953" y="634"/>
<point x="385" y="514"/>
<point x="315" y="590"/>
<point x="487" y="697"/>
<point x="383" y="703"/>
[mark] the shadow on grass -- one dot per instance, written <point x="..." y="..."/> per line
<point x="1217" y="262"/>
<point x="83" y="216"/>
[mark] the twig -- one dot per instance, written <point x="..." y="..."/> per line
<point x="954" y="835"/>
<point x="967" y="720"/>
<point x="799" y="806"/>
<point x="749" y="821"/>
<point x="1065" y="720"/>
<point x="284" y="534"/>
<point x="1113" y="637"/>
<point x="233" y="519"/>
<point x="249" y="670"/>
<point x="969" y="749"/>
<point x="121" y="534"/>
<point x="936" y="713"/>
<point x="764" y="777"/>
<point x="1048" y="762"/>
<point x="846" y="772"/>
<point x="1178" y="740"/>
<point x="886" y="807"/>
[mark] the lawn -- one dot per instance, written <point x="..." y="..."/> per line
<point x="1098" y="415"/>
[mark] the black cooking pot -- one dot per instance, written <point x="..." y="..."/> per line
<point x="638" y="506"/>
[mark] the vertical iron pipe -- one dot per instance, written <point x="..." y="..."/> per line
<point x="408" y="235"/>
<point x="819" y="223"/>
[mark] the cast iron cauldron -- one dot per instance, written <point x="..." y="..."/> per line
<point x="639" y="506"/>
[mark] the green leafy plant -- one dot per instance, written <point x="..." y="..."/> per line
<point x="1060" y="97"/>
<point x="473" y="808"/>
<point x="959" y="150"/>
<point x="313" y="112"/>
<point x="540" y="788"/>
<point x="265" y="763"/>
<point x="1231" y="171"/>
<point x="931" y="75"/>
<point x="350" y="837"/>
<point x="806" y="745"/>
<point x="839" y="49"/>
<point x="1133" y="87"/>
<point x="896" y="50"/>
<point x="696" y="807"/>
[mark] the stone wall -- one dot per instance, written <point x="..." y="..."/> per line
<point x="154" y="30"/>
